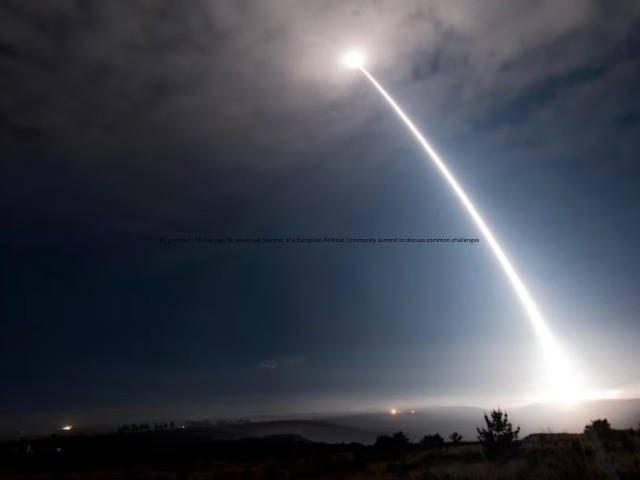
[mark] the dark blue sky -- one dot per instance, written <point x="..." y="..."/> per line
<point x="123" y="123"/>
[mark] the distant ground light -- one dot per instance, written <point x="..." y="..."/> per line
<point x="396" y="411"/>
<point x="67" y="427"/>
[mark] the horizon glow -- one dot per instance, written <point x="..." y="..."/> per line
<point x="564" y="383"/>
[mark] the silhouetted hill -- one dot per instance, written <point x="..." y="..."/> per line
<point x="199" y="453"/>
<point x="314" y="430"/>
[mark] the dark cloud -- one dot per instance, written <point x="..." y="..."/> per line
<point x="157" y="75"/>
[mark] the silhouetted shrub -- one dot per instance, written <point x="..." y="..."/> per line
<point x="401" y="439"/>
<point x="600" y="427"/>
<point x="455" y="438"/>
<point x="498" y="440"/>
<point x="600" y="434"/>
<point x="392" y="445"/>
<point x="432" y="442"/>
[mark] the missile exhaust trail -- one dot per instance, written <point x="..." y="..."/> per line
<point x="535" y="317"/>
<point x="560" y="375"/>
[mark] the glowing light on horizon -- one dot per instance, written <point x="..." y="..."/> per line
<point x="67" y="427"/>
<point x="563" y="381"/>
<point x="393" y="411"/>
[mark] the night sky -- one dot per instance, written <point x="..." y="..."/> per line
<point x="123" y="123"/>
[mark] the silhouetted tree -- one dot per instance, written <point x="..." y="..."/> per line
<point x="392" y="445"/>
<point x="499" y="438"/>
<point x="600" y="434"/>
<point x="432" y="442"/>
<point x="401" y="439"/>
<point x="600" y="427"/>
<point x="455" y="438"/>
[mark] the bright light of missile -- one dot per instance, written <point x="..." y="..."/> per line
<point x="563" y="382"/>
<point x="67" y="427"/>
<point x="352" y="59"/>
<point x="393" y="411"/>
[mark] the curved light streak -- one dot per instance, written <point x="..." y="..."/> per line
<point x="561" y="375"/>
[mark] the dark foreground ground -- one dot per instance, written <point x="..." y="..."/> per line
<point x="195" y="454"/>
